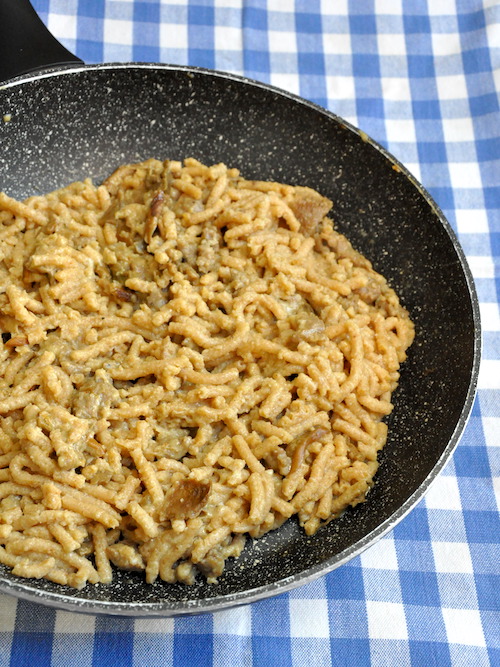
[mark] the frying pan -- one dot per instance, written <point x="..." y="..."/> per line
<point x="72" y="121"/>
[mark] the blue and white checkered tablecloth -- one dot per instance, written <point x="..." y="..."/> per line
<point x="423" y="78"/>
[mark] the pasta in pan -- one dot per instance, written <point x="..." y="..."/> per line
<point x="187" y="358"/>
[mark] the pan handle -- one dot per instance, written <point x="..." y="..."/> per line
<point x="25" y="42"/>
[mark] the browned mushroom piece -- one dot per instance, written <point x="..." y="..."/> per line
<point x="310" y="327"/>
<point x="155" y="210"/>
<point x="310" y="208"/>
<point x="306" y="324"/>
<point x="185" y="500"/>
<point x="16" y="341"/>
<point x="369" y="293"/>
<point x="94" y="397"/>
<point x="157" y="204"/>
<point x="343" y="249"/>
<point x="303" y="443"/>
<point x="123" y="294"/>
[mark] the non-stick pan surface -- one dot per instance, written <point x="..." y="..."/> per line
<point x="71" y="123"/>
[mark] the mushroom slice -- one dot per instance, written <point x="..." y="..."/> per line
<point x="310" y="208"/>
<point x="185" y="500"/>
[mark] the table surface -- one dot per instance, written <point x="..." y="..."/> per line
<point x="423" y="79"/>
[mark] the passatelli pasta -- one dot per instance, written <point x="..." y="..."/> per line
<point x="187" y="358"/>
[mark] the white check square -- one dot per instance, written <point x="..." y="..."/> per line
<point x="288" y="82"/>
<point x="67" y="621"/>
<point x="445" y="44"/>
<point x="465" y="175"/>
<point x="482" y="266"/>
<point x="8" y="606"/>
<point x="444" y="494"/>
<point x="154" y="625"/>
<point x="237" y="621"/>
<point x="452" y="557"/>
<point x="282" y="42"/>
<point x="381" y="555"/>
<point x="490" y="317"/>
<point x="387" y="7"/>
<point x="386" y="620"/>
<point x="493" y="35"/>
<point x="446" y="8"/>
<point x="337" y="44"/>
<point x="491" y="427"/>
<point x="401" y="131"/>
<point x="340" y="87"/>
<point x="391" y="45"/>
<point x="61" y="26"/>
<point x="173" y="36"/>
<point x="118" y="32"/>
<point x="309" y="618"/>
<point x="278" y="5"/>
<point x="452" y="87"/>
<point x="463" y="626"/>
<point x="395" y="88"/>
<point x="458" y="129"/>
<point x="414" y="169"/>
<point x="328" y="8"/>
<point x="471" y="221"/>
<point x="233" y="4"/>
<point x="489" y="374"/>
<point x="227" y="38"/>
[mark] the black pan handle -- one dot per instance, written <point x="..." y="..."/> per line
<point x="25" y="42"/>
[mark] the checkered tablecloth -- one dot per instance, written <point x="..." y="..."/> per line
<point x="422" y="77"/>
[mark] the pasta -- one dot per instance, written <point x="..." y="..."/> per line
<point x="188" y="358"/>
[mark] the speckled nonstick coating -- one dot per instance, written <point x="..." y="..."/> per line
<point x="85" y="121"/>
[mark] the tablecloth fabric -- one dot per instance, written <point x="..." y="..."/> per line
<point x="423" y="79"/>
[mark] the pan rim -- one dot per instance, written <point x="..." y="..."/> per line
<point x="20" y="589"/>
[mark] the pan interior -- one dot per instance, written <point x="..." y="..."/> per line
<point x="114" y="115"/>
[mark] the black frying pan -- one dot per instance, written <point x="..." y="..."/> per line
<point x="69" y="123"/>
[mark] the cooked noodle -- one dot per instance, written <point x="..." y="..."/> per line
<point x="187" y="358"/>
